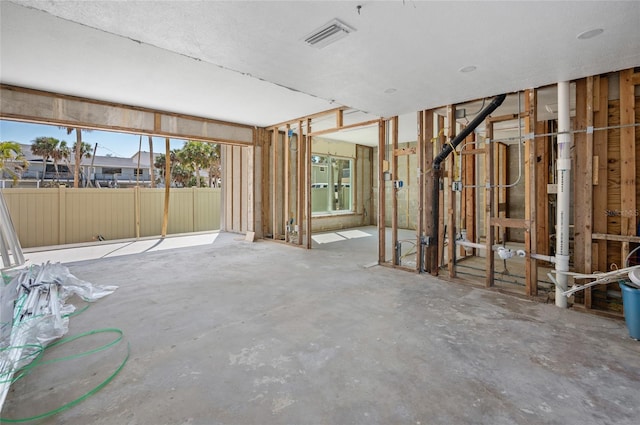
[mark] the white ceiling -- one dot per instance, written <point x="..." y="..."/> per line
<point x="245" y="61"/>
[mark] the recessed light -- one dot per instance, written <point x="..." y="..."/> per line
<point x="390" y="90"/>
<point x="585" y="35"/>
<point x="466" y="69"/>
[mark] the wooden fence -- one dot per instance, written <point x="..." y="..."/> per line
<point x="58" y="216"/>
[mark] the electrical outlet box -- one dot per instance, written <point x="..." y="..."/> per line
<point x="456" y="186"/>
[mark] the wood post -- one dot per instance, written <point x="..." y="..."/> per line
<point x="530" y="183"/>
<point x="452" y="170"/>
<point x="381" y="191"/>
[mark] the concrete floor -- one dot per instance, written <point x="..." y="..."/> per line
<point x="235" y="332"/>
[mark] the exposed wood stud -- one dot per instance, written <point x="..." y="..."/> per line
<point x="287" y="177"/>
<point x="440" y="248"/>
<point x="451" y="199"/>
<point x="394" y="191"/>
<point x="301" y="172"/>
<point x="627" y="157"/>
<point x="381" y="191"/>
<point x="530" y="179"/>
<point x="489" y="208"/>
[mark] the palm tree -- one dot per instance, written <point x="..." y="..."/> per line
<point x="44" y="147"/>
<point x="79" y="153"/>
<point x="60" y="153"/>
<point x="11" y="152"/>
<point x="84" y="152"/>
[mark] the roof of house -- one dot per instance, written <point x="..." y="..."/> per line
<point x="99" y="160"/>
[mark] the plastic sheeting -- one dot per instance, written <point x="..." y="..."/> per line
<point x="33" y="313"/>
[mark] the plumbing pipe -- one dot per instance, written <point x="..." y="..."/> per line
<point x="563" y="196"/>
<point x="437" y="173"/>
<point x="547" y="258"/>
<point x="471" y="244"/>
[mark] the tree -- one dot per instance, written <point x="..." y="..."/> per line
<point x="59" y="153"/>
<point x="11" y="153"/>
<point x="85" y="152"/>
<point x="160" y="162"/>
<point x="195" y="156"/>
<point x="80" y="150"/>
<point x="44" y="147"/>
<point x="214" y="165"/>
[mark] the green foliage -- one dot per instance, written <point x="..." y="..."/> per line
<point x="12" y="159"/>
<point x="187" y="162"/>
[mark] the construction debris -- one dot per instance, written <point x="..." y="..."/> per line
<point x="34" y="313"/>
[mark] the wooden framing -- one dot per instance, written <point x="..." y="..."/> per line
<point x="469" y="191"/>
<point x="22" y="104"/>
<point x="307" y="185"/>
<point x="628" y="158"/>
<point x="451" y="167"/>
<point x="287" y="180"/>
<point x="489" y="207"/>
<point x="530" y="182"/>
<point x="301" y="178"/>
<point x="381" y="192"/>
<point x="394" y="191"/>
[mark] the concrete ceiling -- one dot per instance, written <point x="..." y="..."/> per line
<point x="246" y="61"/>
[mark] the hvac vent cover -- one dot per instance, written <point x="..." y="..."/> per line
<point x="328" y="33"/>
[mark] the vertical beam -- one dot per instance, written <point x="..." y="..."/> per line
<point x="540" y="193"/>
<point x="302" y="167"/>
<point x="307" y="185"/>
<point x="167" y="187"/>
<point x="287" y="177"/>
<point x="489" y="206"/>
<point x="274" y="184"/>
<point x="580" y="175"/>
<point x="420" y="182"/>
<point x="469" y="193"/>
<point x="427" y="182"/>
<point x="394" y="191"/>
<point x="381" y="191"/>
<point x="530" y="182"/>
<point x="439" y="143"/>
<point x="339" y="118"/>
<point x="452" y="171"/>
<point x="628" y="157"/>
<point x="600" y="151"/>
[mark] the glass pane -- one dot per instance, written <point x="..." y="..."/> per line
<point x="341" y="182"/>
<point x="319" y="184"/>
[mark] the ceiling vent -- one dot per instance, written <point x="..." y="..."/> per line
<point x="328" y="33"/>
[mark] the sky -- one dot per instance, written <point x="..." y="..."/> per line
<point x="109" y="143"/>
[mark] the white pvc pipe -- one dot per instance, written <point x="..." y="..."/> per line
<point x="564" y="186"/>
<point x="542" y="257"/>
<point x="471" y="244"/>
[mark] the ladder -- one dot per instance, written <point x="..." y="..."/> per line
<point x="10" y="249"/>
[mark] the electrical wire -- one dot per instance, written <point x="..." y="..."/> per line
<point x="89" y="393"/>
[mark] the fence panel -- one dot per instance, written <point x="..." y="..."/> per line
<point x="56" y="216"/>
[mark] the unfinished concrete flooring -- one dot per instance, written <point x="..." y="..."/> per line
<point x="262" y="333"/>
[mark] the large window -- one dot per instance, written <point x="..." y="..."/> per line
<point x="331" y="189"/>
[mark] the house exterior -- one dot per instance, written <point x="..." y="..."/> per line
<point x="102" y="171"/>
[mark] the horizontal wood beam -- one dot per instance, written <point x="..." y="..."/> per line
<point x="619" y="238"/>
<point x="306" y="117"/>
<point x="514" y="223"/>
<point x="344" y="127"/>
<point x="404" y="151"/>
<point x="28" y="105"/>
<point x="481" y="151"/>
<point x="507" y="117"/>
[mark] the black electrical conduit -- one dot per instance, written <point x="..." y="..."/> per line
<point x="444" y="153"/>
